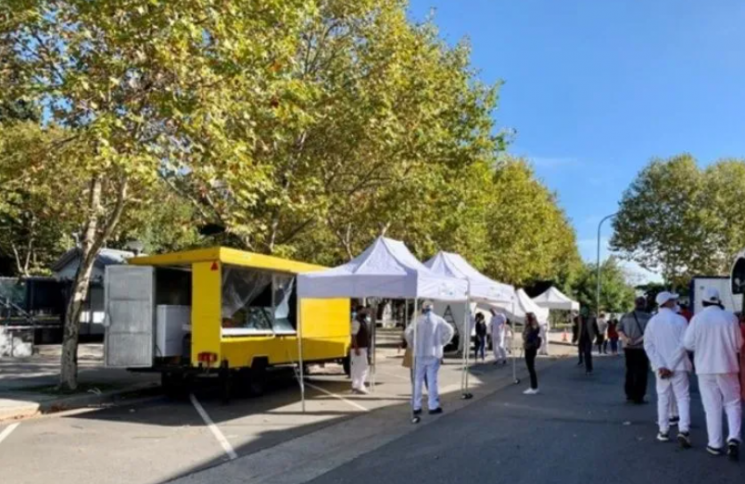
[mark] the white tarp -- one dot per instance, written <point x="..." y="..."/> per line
<point x="555" y="299"/>
<point x="523" y="306"/>
<point x="386" y="269"/>
<point x="481" y="288"/>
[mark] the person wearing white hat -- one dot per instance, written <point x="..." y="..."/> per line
<point x="663" y="343"/>
<point x="714" y="337"/>
<point x="432" y="334"/>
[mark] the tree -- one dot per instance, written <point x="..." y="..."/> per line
<point x="529" y="235"/>
<point x="35" y="225"/>
<point x="616" y="294"/>
<point x="682" y="220"/>
<point x="661" y="224"/>
<point x="143" y="87"/>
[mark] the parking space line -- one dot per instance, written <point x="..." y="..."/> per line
<point x="213" y="428"/>
<point x="7" y="431"/>
<point x="350" y="402"/>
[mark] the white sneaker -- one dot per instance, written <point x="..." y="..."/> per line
<point x="530" y="391"/>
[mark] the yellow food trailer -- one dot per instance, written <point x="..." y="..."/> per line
<point x="217" y="311"/>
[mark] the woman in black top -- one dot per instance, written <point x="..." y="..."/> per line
<point x="531" y="343"/>
<point x="480" y="337"/>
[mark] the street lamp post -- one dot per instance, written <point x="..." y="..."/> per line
<point x="597" y="268"/>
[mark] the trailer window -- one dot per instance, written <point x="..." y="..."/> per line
<point x="256" y="302"/>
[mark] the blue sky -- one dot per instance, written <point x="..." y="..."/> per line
<point x="595" y="88"/>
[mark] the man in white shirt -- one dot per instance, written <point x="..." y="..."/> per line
<point x="432" y="334"/>
<point x="498" y="331"/>
<point x="663" y="343"/>
<point x="715" y="338"/>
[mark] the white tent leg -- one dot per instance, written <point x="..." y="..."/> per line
<point x="300" y="353"/>
<point x="467" y="346"/>
<point x="414" y="418"/>
<point x="514" y="351"/>
<point x="373" y="345"/>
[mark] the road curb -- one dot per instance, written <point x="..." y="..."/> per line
<point x="73" y="402"/>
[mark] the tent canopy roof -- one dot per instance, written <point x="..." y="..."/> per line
<point x="385" y="269"/>
<point x="522" y="307"/>
<point x="481" y="288"/>
<point x="552" y="298"/>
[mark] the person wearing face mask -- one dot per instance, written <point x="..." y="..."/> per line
<point x="498" y="331"/>
<point x="715" y="338"/>
<point x="663" y="344"/>
<point x="432" y="334"/>
<point x="360" y="347"/>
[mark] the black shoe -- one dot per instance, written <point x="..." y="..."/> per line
<point x="640" y="402"/>
<point x="684" y="439"/>
<point x="417" y="412"/>
<point x="663" y="437"/>
<point x="580" y="363"/>
<point x="674" y="421"/>
<point x="713" y="450"/>
<point x="436" y="411"/>
<point x="733" y="450"/>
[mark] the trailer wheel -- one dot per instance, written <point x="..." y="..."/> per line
<point x="257" y="377"/>
<point x="174" y="385"/>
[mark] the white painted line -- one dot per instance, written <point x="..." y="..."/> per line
<point x="8" y="430"/>
<point x="213" y="428"/>
<point x="350" y="402"/>
<point x="393" y="375"/>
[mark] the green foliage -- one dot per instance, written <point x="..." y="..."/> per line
<point x="616" y="294"/>
<point x="683" y="220"/>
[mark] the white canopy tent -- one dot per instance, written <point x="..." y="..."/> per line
<point x="523" y="306"/>
<point x="481" y="289"/>
<point x="386" y="269"/>
<point x="552" y="298"/>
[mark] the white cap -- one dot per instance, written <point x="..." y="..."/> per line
<point x="664" y="297"/>
<point x="711" y="295"/>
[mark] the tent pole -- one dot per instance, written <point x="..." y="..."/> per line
<point x="467" y="341"/>
<point x="513" y="350"/>
<point x="373" y="346"/>
<point x="300" y="351"/>
<point x="415" y="418"/>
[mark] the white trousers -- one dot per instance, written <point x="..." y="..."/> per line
<point x="429" y="367"/>
<point x="498" y="343"/>
<point x="670" y="391"/>
<point x="673" y="404"/>
<point x="359" y="369"/>
<point x="721" y="391"/>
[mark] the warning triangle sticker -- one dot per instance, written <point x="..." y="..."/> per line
<point x="214" y="266"/>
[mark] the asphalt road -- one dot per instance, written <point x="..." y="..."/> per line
<point x="578" y="430"/>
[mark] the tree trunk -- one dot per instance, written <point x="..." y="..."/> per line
<point x="93" y="239"/>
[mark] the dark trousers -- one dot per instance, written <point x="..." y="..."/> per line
<point x="637" y="372"/>
<point x="601" y="345"/>
<point x="480" y="348"/>
<point x="585" y="353"/>
<point x="530" y="363"/>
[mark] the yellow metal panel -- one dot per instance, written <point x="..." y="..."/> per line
<point x="326" y="336"/>
<point x="206" y="309"/>
<point x="260" y="261"/>
<point x="178" y="258"/>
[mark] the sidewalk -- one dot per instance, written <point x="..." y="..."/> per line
<point x="27" y="385"/>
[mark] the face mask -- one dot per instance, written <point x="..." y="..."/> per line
<point x="354" y="315"/>
<point x="676" y="308"/>
<point x="368" y="319"/>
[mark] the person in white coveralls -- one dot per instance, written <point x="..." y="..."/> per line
<point x="432" y="334"/>
<point x="715" y="338"/>
<point x="663" y="343"/>
<point x="498" y="330"/>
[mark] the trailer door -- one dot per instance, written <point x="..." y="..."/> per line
<point x="129" y="299"/>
